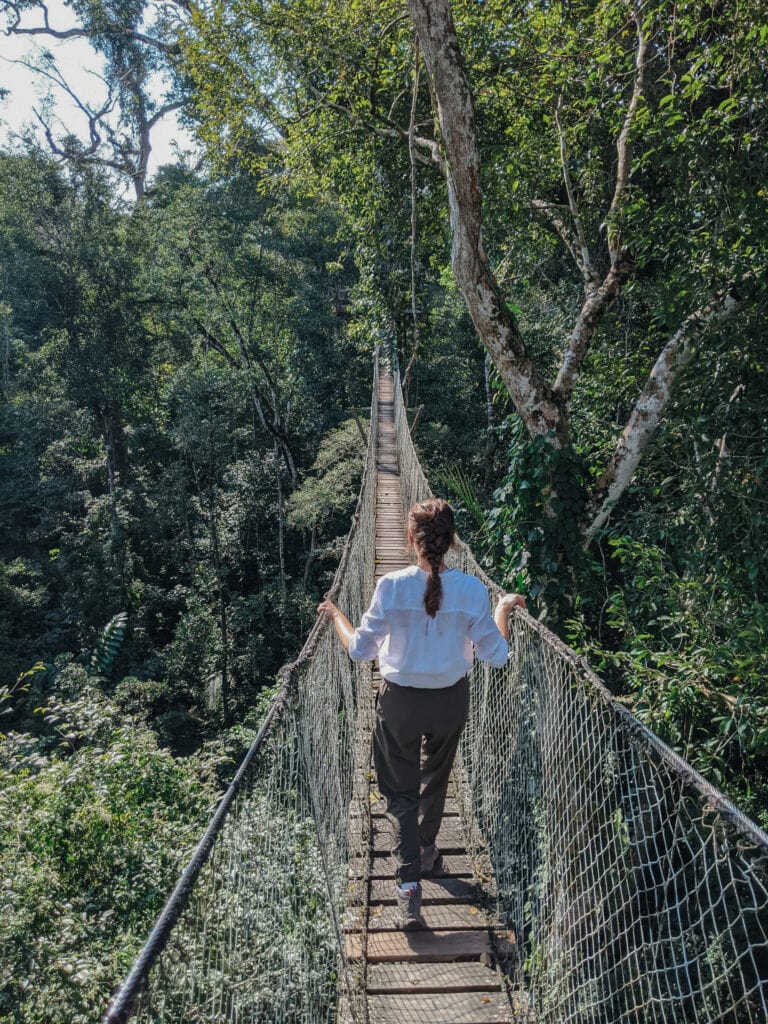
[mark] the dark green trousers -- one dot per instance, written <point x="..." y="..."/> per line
<point x="415" y="738"/>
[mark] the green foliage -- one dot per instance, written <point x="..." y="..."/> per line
<point x="329" y="489"/>
<point x="97" y="823"/>
<point x="457" y="480"/>
<point x="689" y="656"/>
<point x="537" y="523"/>
<point x="138" y="471"/>
<point x="141" y="481"/>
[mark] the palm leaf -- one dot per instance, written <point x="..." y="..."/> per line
<point x="459" y="482"/>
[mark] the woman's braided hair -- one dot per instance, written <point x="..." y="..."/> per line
<point x="434" y="530"/>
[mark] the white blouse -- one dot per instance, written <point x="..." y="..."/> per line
<point x="416" y="650"/>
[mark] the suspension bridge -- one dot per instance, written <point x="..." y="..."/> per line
<point x="591" y="874"/>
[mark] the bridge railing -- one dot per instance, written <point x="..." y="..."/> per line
<point x="636" y="891"/>
<point x="253" y="930"/>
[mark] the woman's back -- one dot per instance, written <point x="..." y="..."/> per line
<point x="419" y="650"/>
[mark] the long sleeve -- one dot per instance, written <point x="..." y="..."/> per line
<point x="490" y="645"/>
<point x="365" y="641"/>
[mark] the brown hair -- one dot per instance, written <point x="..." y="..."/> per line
<point x="434" y="530"/>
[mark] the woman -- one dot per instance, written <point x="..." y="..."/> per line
<point x="422" y="624"/>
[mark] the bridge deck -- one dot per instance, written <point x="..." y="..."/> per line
<point x="444" y="973"/>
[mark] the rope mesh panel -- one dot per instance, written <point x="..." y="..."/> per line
<point x="259" y="937"/>
<point x="636" y="891"/>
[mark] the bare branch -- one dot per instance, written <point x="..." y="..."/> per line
<point x="130" y="156"/>
<point x="398" y="96"/>
<point x="167" y="109"/>
<point x="95" y="117"/>
<point x="46" y="29"/>
<point x="54" y="75"/>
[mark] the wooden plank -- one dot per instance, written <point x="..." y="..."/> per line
<point x="419" y="945"/>
<point x="450" y="917"/>
<point x="455" y="864"/>
<point x="448" y="1008"/>
<point x="433" y="890"/>
<point x="450" y="838"/>
<point x="447" y="983"/>
<point x="464" y="977"/>
<point x="379" y="809"/>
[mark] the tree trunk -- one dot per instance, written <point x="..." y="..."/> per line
<point x="492" y="440"/>
<point x="114" y="446"/>
<point x="414" y="232"/>
<point x="222" y="602"/>
<point x="280" y="525"/>
<point x="533" y="397"/>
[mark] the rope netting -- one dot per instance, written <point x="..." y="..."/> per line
<point x="636" y="891"/>
<point x="253" y="931"/>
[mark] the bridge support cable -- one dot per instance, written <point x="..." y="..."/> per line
<point x="637" y="891"/>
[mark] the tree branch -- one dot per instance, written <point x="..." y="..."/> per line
<point x="623" y="144"/>
<point x="388" y="130"/>
<point x="599" y="296"/>
<point x="598" y="299"/>
<point x="557" y="222"/>
<point x="583" y="257"/>
<point x="129" y="156"/>
<point x="653" y="400"/>
<point x="46" y="29"/>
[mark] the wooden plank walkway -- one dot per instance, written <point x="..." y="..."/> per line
<point x="444" y="973"/>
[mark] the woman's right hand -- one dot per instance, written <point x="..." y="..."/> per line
<point x="510" y="601"/>
<point x="341" y="623"/>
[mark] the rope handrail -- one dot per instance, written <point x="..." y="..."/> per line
<point x="122" y="1006"/>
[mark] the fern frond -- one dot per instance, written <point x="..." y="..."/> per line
<point x="109" y="644"/>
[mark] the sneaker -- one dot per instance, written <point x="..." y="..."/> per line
<point x="408" y="907"/>
<point x="431" y="862"/>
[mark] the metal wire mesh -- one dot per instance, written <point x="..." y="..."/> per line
<point x="636" y="890"/>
